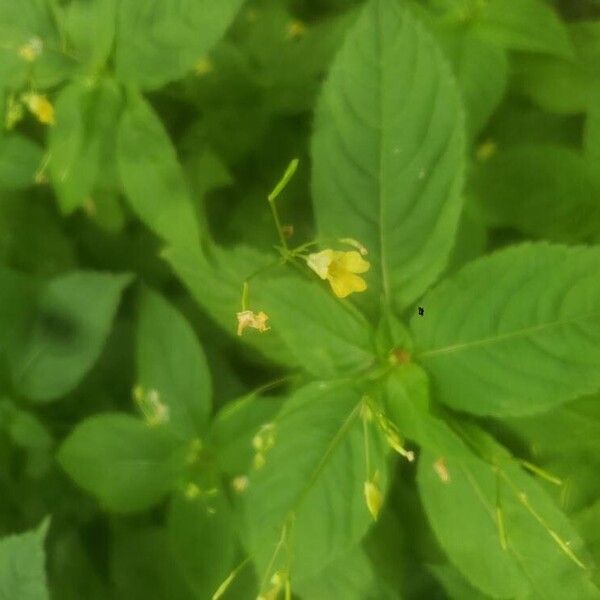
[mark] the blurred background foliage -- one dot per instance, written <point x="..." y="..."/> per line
<point x="233" y="109"/>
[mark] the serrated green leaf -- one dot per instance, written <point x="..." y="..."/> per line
<point x="20" y="158"/>
<point x="387" y="151"/>
<point x="170" y="360"/>
<point x="22" y="571"/>
<point x="529" y="25"/>
<point x="152" y="176"/>
<point x="543" y="190"/>
<point x="73" y="317"/>
<point x="86" y="118"/>
<point x="161" y="40"/>
<point x="514" y="333"/>
<point x="126" y="464"/>
<point x="203" y="543"/>
<point x="312" y="483"/>
<point x="462" y="509"/>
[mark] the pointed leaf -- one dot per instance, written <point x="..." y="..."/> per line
<point x="463" y="513"/>
<point x="86" y="118"/>
<point x="514" y="333"/>
<point x="170" y="360"/>
<point x="315" y="474"/>
<point x="388" y="151"/>
<point x="152" y="176"/>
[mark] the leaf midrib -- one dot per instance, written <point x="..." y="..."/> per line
<point x="505" y="336"/>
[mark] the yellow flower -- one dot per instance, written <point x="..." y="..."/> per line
<point x="373" y="498"/>
<point x="247" y="318"/>
<point x="340" y="268"/>
<point x="32" y="49"/>
<point x="40" y="107"/>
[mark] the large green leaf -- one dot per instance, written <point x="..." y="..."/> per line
<point x="63" y="340"/>
<point x="312" y="481"/>
<point x="160" y="40"/>
<point x="22" y="570"/>
<point x="86" y="118"/>
<point x="171" y="361"/>
<point x="542" y="553"/>
<point x="126" y="464"/>
<point x="388" y="151"/>
<point x="543" y="190"/>
<point x="152" y="176"/>
<point x="529" y="25"/>
<point x="20" y="158"/>
<point x="514" y="333"/>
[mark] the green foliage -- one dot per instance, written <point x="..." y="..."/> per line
<point x="65" y="332"/>
<point x="160" y="40"/>
<point x="22" y="572"/>
<point x="83" y="136"/>
<point x="150" y="172"/>
<point x="546" y="191"/>
<point x="310" y="490"/>
<point x="126" y="464"/>
<point x="171" y="362"/>
<point x="371" y="375"/>
<point x="523" y="323"/>
<point x="378" y="168"/>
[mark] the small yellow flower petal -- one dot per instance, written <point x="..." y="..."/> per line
<point x="32" y="49"/>
<point x="247" y="318"/>
<point x="40" y="107"/>
<point x="346" y="283"/>
<point x="340" y="269"/>
<point x="353" y="262"/>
